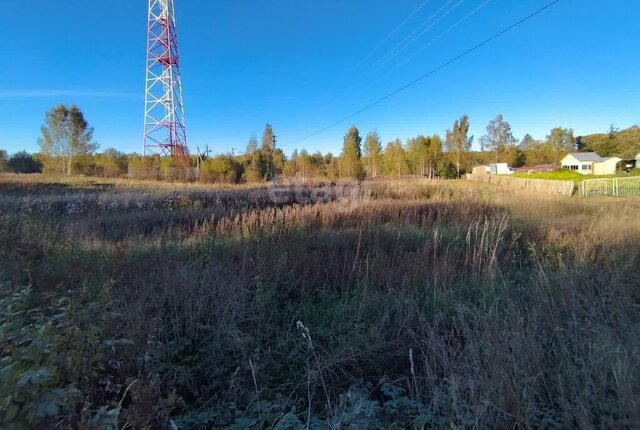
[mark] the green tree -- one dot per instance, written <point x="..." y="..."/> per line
<point x="3" y="161"/>
<point x="499" y="138"/>
<point x="304" y="166"/>
<point x="458" y="141"/>
<point x="111" y="163"/>
<point x="580" y="144"/>
<point x="609" y="147"/>
<point x="435" y="154"/>
<point x="559" y="142"/>
<point x="274" y="159"/>
<point x="395" y="160"/>
<point x="65" y="135"/>
<point x="268" y="138"/>
<point x="534" y="151"/>
<point x="23" y="162"/>
<point x="422" y="153"/>
<point x="350" y="163"/>
<point x="372" y="153"/>
<point x="221" y="169"/>
<point x="85" y="165"/>
<point x="448" y="170"/>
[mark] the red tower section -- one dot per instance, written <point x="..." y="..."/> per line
<point x="164" y="125"/>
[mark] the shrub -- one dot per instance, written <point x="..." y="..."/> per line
<point x="23" y="162"/>
<point x="221" y="169"/>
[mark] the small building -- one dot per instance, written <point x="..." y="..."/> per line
<point x="638" y="161"/>
<point x="500" y="169"/>
<point x="481" y="170"/>
<point x="590" y="163"/>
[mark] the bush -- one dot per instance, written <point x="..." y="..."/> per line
<point x="84" y="164"/>
<point x="111" y="164"/>
<point x="221" y="169"/>
<point x="23" y="162"/>
<point x="448" y="171"/>
<point x="144" y="167"/>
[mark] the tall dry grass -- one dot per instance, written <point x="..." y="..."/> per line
<point x="444" y="303"/>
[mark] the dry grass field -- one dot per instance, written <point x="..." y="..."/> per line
<point x="376" y="305"/>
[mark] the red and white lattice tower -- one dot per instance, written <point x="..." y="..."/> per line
<point x="164" y="125"/>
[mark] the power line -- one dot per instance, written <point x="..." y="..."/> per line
<point x="390" y="35"/>
<point x="417" y="33"/>
<point x="437" y="69"/>
<point x="380" y="45"/>
<point x="441" y="35"/>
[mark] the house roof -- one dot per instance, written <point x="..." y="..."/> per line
<point x="587" y="156"/>
<point x="617" y="159"/>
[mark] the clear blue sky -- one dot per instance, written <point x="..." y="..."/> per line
<point x="303" y="64"/>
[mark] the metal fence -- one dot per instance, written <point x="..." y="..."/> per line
<point x="615" y="187"/>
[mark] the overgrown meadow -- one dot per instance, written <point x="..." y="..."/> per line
<point x="378" y="305"/>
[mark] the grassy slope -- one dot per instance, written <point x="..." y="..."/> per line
<point x="425" y="304"/>
<point x="569" y="175"/>
<point x="628" y="141"/>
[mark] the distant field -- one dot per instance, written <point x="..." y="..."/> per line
<point x="411" y="304"/>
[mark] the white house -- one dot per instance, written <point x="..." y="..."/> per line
<point x="590" y="163"/>
<point x="638" y="161"/>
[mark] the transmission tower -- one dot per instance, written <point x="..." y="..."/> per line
<point x="164" y="125"/>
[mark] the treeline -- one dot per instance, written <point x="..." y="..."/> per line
<point x="67" y="148"/>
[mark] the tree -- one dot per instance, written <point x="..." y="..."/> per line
<point x="559" y="142"/>
<point x="252" y="146"/>
<point x="268" y="138"/>
<point x="65" y="135"/>
<point x="532" y="151"/>
<point x="350" y="164"/>
<point x="372" y="153"/>
<point x="23" y="162"/>
<point x="435" y="154"/>
<point x="458" y="141"/>
<point x="609" y="147"/>
<point x="448" y="171"/>
<point x="395" y="158"/>
<point x="499" y="138"/>
<point x="304" y="165"/>
<point x="112" y="163"/>
<point x="422" y="153"/>
<point x="527" y="142"/>
<point x="3" y="161"/>
<point x="580" y="144"/>
<point x="221" y="169"/>
<point x="270" y="155"/>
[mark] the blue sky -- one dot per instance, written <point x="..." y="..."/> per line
<point x="302" y="65"/>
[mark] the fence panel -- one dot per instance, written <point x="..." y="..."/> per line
<point x="564" y="188"/>
<point x="614" y="187"/>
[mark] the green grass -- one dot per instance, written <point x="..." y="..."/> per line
<point x="420" y="306"/>
<point x="570" y="175"/>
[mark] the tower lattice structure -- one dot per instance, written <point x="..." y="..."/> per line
<point x="164" y="126"/>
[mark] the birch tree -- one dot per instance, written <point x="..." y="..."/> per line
<point x="65" y="135"/>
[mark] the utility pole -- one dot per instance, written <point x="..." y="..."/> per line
<point x="273" y="157"/>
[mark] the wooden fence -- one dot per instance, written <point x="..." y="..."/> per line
<point x="564" y="188"/>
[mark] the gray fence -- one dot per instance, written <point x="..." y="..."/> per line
<point x="547" y="186"/>
<point x="615" y="187"/>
